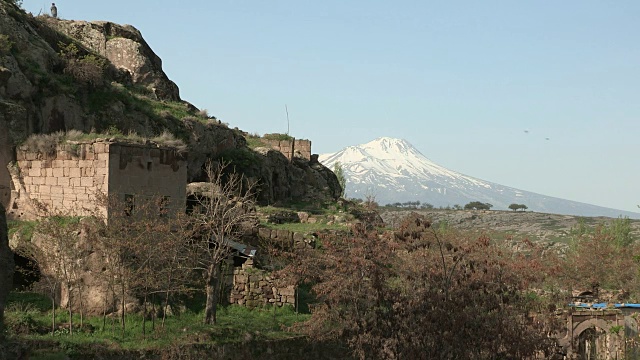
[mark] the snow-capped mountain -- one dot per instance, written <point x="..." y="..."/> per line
<point x="393" y="171"/>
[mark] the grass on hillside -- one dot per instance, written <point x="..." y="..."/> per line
<point x="312" y="208"/>
<point x="306" y="227"/>
<point x="254" y="142"/>
<point x="316" y="210"/>
<point x="31" y="314"/>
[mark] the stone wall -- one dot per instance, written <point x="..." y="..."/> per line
<point x="286" y="239"/>
<point x="148" y="172"/>
<point x="255" y="288"/>
<point x="68" y="179"/>
<point x="290" y="148"/>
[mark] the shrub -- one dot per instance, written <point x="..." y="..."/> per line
<point x="168" y="139"/>
<point x="241" y="158"/>
<point x="87" y="69"/>
<point x="44" y="143"/>
<point x="5" y="44"/>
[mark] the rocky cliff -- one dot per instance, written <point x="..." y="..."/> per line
<point x="59" y="75"/>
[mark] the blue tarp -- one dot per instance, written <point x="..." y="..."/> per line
<point x="604" y="305"/>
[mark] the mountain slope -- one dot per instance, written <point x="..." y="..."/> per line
<point x="394" y="171"/>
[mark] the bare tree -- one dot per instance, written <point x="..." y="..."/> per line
<point x="58" y="251"/>
<point x="48" y="283"/>
<point x="223" y="205"/>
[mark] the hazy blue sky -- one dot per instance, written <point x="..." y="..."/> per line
<point x="460" y="80"/>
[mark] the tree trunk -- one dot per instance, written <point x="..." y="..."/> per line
<point x="153" y="312"/>
<point x="53" y="312"/>
<point x="80" y="295"/>
<point x="164" y="310"/>
<point x="144" y="316"/>
<point x="166" y="299"/>
<point x="104" y="313"/>
<point x="122" y="307"/>
<point x="213" y="280"/>
<point x="70" y="309"/>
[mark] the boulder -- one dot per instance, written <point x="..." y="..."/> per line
<point x="125" y="48"/>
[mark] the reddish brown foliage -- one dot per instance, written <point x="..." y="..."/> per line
<point x="418" y="293"/>
<point x="598" y="261"/>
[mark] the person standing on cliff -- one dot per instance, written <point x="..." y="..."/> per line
<point x="54" y="10"/>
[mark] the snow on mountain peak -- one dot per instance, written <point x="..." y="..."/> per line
<point x="394" y="171"/>
<point x="386" y="157"/>
<point x="388" y="144"/>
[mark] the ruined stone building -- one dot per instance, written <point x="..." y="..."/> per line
<point x="69" y="178"/>
<point x="289" y="148"/>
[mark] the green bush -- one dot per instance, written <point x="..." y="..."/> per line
<point x="87" y="69"/>
<point x="241" y="158"/>
<point x="5" y="44"/>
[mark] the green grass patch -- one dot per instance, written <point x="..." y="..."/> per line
<point x="22" y="227"/>
<point x="19" y="301"/>
<point x="331" y="208"/>
<point x="29" y="313"/>
<point x="279" y="137"/>
<point x="306" y="227"/>
<point x="254" y="142"/>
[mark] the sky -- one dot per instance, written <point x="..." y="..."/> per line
<point x="476" y="86"/>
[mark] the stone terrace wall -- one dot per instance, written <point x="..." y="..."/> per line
<point x="65" y="180"/>
<point x="255" y="288"/>
<point x="287" y="239"/>
<point x="289" y="148"/>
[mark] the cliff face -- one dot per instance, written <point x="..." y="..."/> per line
<point x="59" y="75"/>
<point x="125" y="48"/>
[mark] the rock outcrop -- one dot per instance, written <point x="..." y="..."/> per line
<point x="42" y="92"/>
<point x="300" y="179"/>
<point x="6" y="266"/>
<point x="125" y="48"/>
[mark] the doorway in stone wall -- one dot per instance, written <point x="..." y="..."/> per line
<point x="591" y="344"/>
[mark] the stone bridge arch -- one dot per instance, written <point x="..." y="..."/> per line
<point x="596" y="334"/>
<point x="593" y="323"/>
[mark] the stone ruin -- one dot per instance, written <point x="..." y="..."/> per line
<point x="252" y="287"/>
<point x="291" y="148"/>
<point x="68" y="178"/>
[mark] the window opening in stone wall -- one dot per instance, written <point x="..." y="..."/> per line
<point x="129" y="204"/>
<point x="149" y="165"/>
